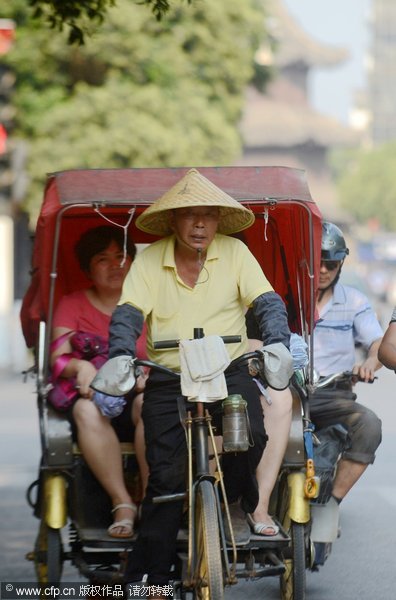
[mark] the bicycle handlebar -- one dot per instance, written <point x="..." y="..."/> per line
<point x="142" y="362"/>
<point x="233" y="364"/>
<point x="166" y="344"/>
<point x="342" y="375"/>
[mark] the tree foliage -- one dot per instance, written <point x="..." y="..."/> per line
<point x="80" y="17"/>
<point x="367" y="185"/>
<point x="140" y="92"/>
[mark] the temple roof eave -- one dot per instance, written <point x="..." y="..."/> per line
<point x="294" y="45"/>
<point x="276" y="124"/>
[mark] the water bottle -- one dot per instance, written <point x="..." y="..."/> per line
<point x="235" y="429"/>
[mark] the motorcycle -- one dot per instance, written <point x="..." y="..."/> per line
<point x="329" y="443"/>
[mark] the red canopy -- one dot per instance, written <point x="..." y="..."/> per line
<point x="285" y="237"/>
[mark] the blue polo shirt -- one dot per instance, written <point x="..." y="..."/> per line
<point x="346" y="320"/>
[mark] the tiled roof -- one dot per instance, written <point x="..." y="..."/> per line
<point x="268" y="121"/>
<point x="295" y="45"/>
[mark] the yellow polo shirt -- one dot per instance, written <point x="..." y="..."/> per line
<point x="231" y="279"/>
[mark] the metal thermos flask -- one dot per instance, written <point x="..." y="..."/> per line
<point x="235" y="429"/>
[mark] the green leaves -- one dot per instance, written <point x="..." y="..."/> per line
<point x="140" y="92"/>
<point x="82" y="17"/>
<point x="367" y="185"/>
<point x="77" y="15"/>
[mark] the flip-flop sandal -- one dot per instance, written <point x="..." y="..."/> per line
<point x="124" y="523"/>
<point x="259" y="527"/>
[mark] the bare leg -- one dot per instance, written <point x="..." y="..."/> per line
<point x="348" y="472"/>
<point x="101" y="449"/>
<point x="277" y="419"/>
<point x="140" y="446"/>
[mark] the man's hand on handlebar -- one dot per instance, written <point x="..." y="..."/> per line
<point x="274" y="364"/>
<point x="116" y="377"/>
<point x="365" y="372"/>
<point x="342" y="377"/>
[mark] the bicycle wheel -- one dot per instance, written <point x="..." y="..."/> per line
<point x="293" y="580"/>
<point x="48" y="555"/>
<point x="209" y="570"/>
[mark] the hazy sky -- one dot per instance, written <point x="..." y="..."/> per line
<point x="342" y="23"/>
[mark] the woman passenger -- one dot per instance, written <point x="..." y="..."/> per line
<point x="100" y="255"/>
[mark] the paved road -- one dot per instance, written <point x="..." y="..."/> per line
<point x="360" y="567"/>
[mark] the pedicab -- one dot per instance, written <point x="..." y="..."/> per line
<point x="72" y="509"/>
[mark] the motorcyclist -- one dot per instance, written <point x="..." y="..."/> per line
<point x="345" y="319"/>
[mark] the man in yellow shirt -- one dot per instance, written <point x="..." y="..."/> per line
<point x="195" y="277"/>
<point x="174" y="300"/>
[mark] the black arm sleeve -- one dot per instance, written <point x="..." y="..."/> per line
<point x="269" y="313"/>
<point x="125" y="327"/>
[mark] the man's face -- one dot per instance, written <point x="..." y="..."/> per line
<point x="195" y="227"/>
<point x="328" y="272"/>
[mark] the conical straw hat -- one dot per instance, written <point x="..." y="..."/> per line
<point x="195" y="190"/>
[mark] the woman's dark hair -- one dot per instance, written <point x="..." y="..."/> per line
<point x="97" y="240"/>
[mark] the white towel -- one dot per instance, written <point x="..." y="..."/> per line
<point x="203" y="363"/>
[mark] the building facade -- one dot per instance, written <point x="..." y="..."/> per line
<point x="279" y="126"/>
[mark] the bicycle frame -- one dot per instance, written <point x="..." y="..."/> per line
<point x="198" y="431"/>
<point x="199" y="428"/>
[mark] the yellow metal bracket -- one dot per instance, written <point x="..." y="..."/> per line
<point x="55" y="505"/>
<point x="298" y="502"/>
<point x="312" y="483"/>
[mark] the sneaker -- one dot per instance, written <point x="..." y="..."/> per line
<point x="240" y="526"/>
<point x="322" y="551"/>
